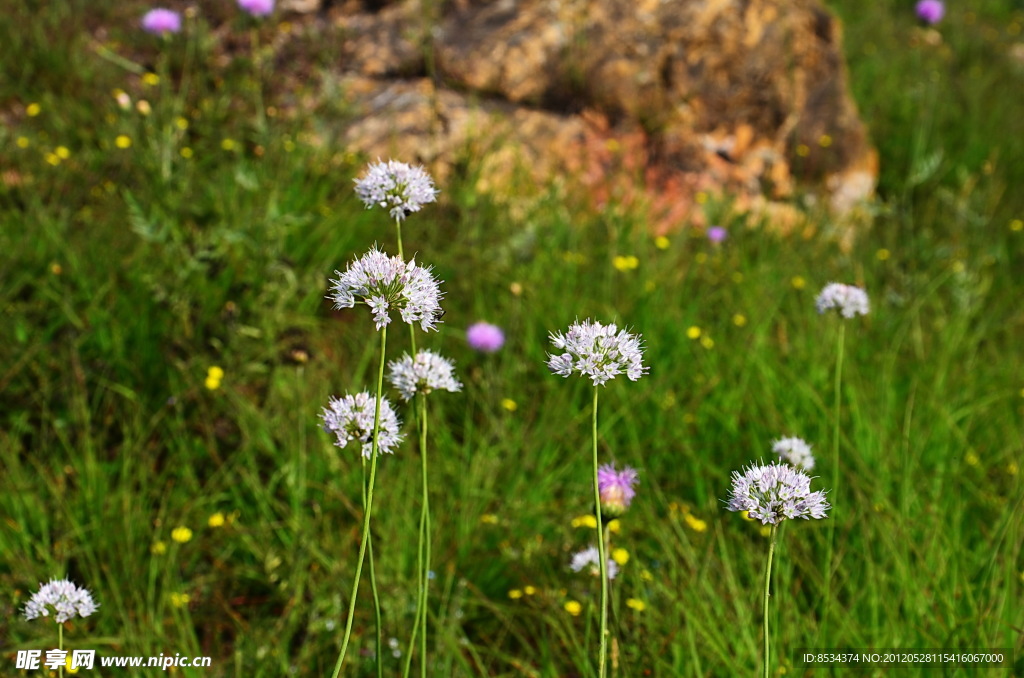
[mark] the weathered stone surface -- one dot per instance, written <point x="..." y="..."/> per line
<point x="743" y="98"/>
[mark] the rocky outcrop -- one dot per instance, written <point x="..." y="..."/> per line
<point x="746" y="99"/>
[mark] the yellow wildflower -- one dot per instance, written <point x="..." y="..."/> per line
<point x="489" y="519"/>
<point x="186" y="152"/>
<point x="181" y="534"/>
<point x="181" y="123"/>
<point x="739" y="320"/>
<point x="143" y="107"/>
<point x="216" y="520"/>
<point x="585" y="521"/>
<point x="123" y="141"/>
<point x="1017" y="225"/>
<point x="661" y="242"/>
<point x="693" y="332"/>
<point x="22" y="142"/>
<point x="620" y="556"/>
<point x="158" y="548"/>
<point x="824" y="141"/>
<point x="515" y="594"/>
<point x="52" y="159"/>
<point x="529" y="590"/>
<point x="798" y="282"/>
<point x="228" y="144"/>
<point x="509" y="404"/>
<point x="180" y="599"/>
<point x="803" y="151"/>
<point x="695" y="523"/>
<point x="707" y="342"/>
<point x="573" y="608"/>
<point x="62" y="152"/>
<point x="882" y="254"/>
<point x="636" y="604"/>
<point x="625" y="263"/>
<point x="32" y="110"/>
<point x="614" y="526"/>
<point x="151" y="79"/>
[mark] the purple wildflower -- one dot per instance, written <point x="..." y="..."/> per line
<point x="717" y="234"/>
<point x="616" y="489"/>
<point x="930" y="11"/>
<point x="258" y="8"/>
<point x="485" y="337"/>
<point x="161" y="21"/>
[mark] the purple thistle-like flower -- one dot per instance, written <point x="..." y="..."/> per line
<point x="350" y="418"/>
<point x="485" y="337"/>
<point x="771" y="493"/>
<point x="717" y="234"/>
<point x="846" y="299"/>
<point x="597" y="351"/>
<point x="388" y="283"/>
<point x="401" y="188"/>
<point x="427" y="372"/>
<point x="161" y="21"/>
<point x="616" y="489"/>
<point x="61" y="597"/>
<point x="258" y="8"/>
<point x="930" y="11"/>
<point x="794" y="451"/>
<point x="590" y="558"/>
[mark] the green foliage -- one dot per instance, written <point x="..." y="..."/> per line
<point x="127" y="273"/>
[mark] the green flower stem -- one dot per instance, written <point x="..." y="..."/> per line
<point x="369" y="507"/>
<point x="836" y="411"/>
<point x="378" y="640"/>
<point x="60" y="646"/>
<point x="601" y="556"/>
<point x="424" y="533"/>
<point x="767" y="583"/>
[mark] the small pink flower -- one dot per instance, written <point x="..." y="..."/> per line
<point x="257" y="7"/>
<point x="485" y="337"/>
<point x="161" y="21"/>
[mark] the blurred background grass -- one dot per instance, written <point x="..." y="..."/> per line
<point x="208" y="239"/>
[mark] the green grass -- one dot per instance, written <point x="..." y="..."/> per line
<point x="125" y="274"/>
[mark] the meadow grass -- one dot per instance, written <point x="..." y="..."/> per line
<point x="127" y="273"/>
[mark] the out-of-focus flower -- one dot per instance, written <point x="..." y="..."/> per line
<point x="589" y="558"/>
<point x="846" y="299"/>
<point x="796" y="451"/>
<point x="616" y="489"/>
<point x="257" y="8"/>
<point x="427" y="372"/>
<point x="485" y="337"/>
<point x="181" y="534"/>
<point x="401" y="188"/>
<point x="161" y="21"/>
<point x="930" y="11"/>
<point x="717" y="234"/>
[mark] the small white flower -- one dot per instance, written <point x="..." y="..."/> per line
<point x="350" y="418"/>
<point x="597" y="351"/>
<point x="591" y="559"/>
<point x="846" y="299"/>
<point x="388" y="283"/>
<point x="771" y="493"/>
<point x="795" y="451"/>
<point x="64" y="598"/>
<point x="427" y="372"/>
<point x="396" y="186"/>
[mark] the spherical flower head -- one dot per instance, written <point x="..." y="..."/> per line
<point x="485" y="337"/>
<point x="350" y="418"/>
<point x="427" y="372"/>
<point x="590" y="558"/>
<point x="794" y="451"/>
<point x="388" y="283"/>
<point x="258" y="8"/>
<point x="930" y="11"/>
<point x="396" y="186"/>
<point x="775" y="492"/>
<point x="61" y="597"/>
<point x="846" y="299"/>
<point x="616" y="489"/>
<point x="597" y="351"/>
<point x="161" y="21"/>
<point x="717" y="234"/>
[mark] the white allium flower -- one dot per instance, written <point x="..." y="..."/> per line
<point x="62" y="597"/>
<point x="350" y="418"/>
<point x="427" y="372"/>
<point x="846" y="299"/>
<point x="396" y="186"/>
<point x="597" y="351"/>
<point x="771" y="493"/>
<point x="589" y="558"/>
<point x="796" y="451"/>
<point x="388" y="283"/>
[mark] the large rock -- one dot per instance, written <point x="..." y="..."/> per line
<point x="746" y="99"/>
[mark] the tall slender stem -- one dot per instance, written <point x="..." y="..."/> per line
<point x="60" y="646"/>
<point x="836" y="412"/>
<point x="602" y="558"/>
<point x="379" y="643"/>
<point x="369" y="507"/>
<point x="424" y="533"/>
<point x="767" y="585"/>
